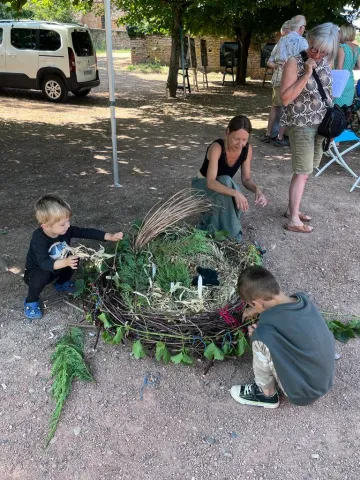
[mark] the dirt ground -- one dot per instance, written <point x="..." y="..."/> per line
<point x="188" y="427"/>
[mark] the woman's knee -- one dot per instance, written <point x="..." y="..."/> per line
<point x="226" y="180"/>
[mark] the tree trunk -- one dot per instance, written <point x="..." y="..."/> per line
<point x="172" y="80"/>
<point x="243" y="39"/>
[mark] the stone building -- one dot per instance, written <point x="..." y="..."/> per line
<point x="95" y="20"/>
<point x="153" y="48"/>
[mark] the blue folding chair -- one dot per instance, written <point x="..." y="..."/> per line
<point x="337" y="156"/>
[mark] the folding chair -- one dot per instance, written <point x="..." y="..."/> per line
<point x="337" y="156"/>
<point x="356" y="185"/>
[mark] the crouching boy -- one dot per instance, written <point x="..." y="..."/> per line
<point x="291" y="344"/>
<point x="48" y="257"/>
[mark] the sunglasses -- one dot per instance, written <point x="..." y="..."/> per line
<point x="316" y="51"/>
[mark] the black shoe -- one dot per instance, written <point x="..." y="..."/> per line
<point x="265" y="139"/>
<point x="251" y="394"/>
<point x="280" y="143"/>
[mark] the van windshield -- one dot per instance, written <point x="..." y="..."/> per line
<point x="82" y="44"/>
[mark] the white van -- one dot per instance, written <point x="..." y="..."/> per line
<point x="53" y="57"/>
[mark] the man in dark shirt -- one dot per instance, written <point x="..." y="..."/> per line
<point x="48" y="257"/>
<point x="291" y="343"/>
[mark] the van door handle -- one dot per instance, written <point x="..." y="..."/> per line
<point x="11" y="54"/>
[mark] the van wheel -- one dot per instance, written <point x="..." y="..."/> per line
<point x="53" y="89"/>
<point x="82" y="93"/>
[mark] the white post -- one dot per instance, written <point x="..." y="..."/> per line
<point x="109" y="57"/>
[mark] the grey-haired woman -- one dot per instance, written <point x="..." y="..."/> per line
<point x="305" y="110"/>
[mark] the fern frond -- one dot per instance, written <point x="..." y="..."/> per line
<point x="67" y="364"/>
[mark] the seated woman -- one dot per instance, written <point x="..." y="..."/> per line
<point x="223" y="159"/>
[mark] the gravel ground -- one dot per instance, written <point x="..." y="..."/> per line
<point x="188" y="427"/>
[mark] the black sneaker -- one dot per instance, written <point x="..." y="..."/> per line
<point x="265" y="139"/>
<point x="251" y="394"/>
<point x="280" y="143"/>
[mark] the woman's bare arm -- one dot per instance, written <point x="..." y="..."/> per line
<point x="340" y="59"/>
<point x="291" y="86"/>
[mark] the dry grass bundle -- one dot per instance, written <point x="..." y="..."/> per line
<point x="184" y="204"/>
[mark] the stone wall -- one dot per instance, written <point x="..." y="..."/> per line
<point x="153" y="48"/>
<point x="120" y="39"/>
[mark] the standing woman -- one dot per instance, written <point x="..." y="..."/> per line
<point x="304" y="112"/>
<point x="348" y="58"/>
<point x="223" y="159"/>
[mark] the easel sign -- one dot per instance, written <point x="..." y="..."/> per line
<point x="192" y="62"/>
<point x="203" y="50"/>
<point x="204" y="62"/>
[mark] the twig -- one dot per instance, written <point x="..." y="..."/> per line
<point x="208" y="366"/>
<point x="74" y="306"/>
<point x="97" y="337"/>
<point x="80" y="325"/>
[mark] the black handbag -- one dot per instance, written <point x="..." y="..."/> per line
<point x="334" y="121"/>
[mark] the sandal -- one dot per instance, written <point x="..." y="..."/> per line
<point x="302" y="217"/>
<point x="299" y="228"/>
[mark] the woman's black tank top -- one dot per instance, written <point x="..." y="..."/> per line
<point x="223" y="167"/>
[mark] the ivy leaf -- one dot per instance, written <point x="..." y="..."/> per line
<point x="162" y="353"/>
<point x="212" y="352"/>
<point x="182" y="357"/>
<point x="107" y="337"/>
<point x="341" y="331"/>
<point x="177" y="358"/>
<point x="186" y="358"/>
<point x="118" y="336"/>
<point x="79" y="288"/>
<point x="104" y="318"/>
<point x="355" y="326"/>
<point x="241" y="346"/>
<point x="227" y="348"/>
<point x="138" y="350"/>
<point x="220" y="235"/>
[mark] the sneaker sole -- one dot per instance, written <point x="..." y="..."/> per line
<point x="254" y="404"/>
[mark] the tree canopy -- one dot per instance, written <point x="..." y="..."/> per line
<point x="241" y="19"/>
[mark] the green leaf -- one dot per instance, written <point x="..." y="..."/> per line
<point x="162" y="353"/>
<point x="177" y="358"/>
<point x="104" y="318"/>
<point x="107" y="337"/>
<point x="220" y="235"/>
<point x="138" y="350"/>
<point x="113" y="339"/>
<point x="186" y="358"/>
<point x="80" y="288"/>
<point x="241" y="346"/>
<point x="227" y="348"/>
<point x="182" y="357"/>
<point x="212" y="352"/>
<point x="355" y="326"/>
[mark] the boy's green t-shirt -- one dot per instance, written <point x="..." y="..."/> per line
<point x="301" y="346"/>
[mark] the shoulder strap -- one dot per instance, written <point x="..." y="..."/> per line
<point x="316" y="77"/>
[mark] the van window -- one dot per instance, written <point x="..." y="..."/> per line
<point x="23" y="38"/>
<point x="1" y="35"/>
<point x="82" y="44"/>
<point x="49" y="40"/>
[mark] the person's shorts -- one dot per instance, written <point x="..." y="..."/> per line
<point x="306" y="148"/>
<point x="276" y="99"/>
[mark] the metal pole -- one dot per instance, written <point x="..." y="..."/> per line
<point x="109" y="57"/>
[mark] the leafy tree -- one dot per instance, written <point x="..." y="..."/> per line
<point x="60" y="11"/>
<point x="244" y="20"/>
<point x="247" y="20"/>
<point x="161" y="17"/>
